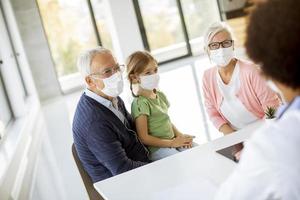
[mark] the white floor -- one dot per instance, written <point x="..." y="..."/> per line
<point x="57" y="176"/>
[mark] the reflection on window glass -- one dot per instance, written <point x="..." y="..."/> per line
<point x="199" y="15"/>
<point x="5" y="114"/>
<point x="163" y="28"/>
<point x="69" y="30"/>
<point x="101" y="21"/>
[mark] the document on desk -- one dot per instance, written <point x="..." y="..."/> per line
<point x="203" y="189"/>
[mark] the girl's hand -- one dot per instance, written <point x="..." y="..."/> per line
<point x="190" y="145"/>
<point x="189" y="136"/>
<point x="181" y="141"/>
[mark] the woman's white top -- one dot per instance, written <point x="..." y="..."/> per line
<point x="269" y="168"/>
<point x="231" y="107"/>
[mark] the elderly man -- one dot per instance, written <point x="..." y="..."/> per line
<point x="103" y="130"/>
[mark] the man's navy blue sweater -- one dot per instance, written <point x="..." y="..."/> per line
<point x="105" y="146"/>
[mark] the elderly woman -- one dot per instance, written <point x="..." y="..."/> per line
<point x="235" y="93"/>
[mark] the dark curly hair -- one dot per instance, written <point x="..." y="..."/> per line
<point x="273" y="40"/>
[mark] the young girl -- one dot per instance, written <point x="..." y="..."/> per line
<point x="150" y="109"/>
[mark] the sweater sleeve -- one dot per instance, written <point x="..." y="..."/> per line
<point x="210" y="106"/>
<point x="108" y="149"/>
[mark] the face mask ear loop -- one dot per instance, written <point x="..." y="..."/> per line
<point x="132" y="90"/>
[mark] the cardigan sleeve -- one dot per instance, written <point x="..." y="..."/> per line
<point x="267" y="97"/>
<point x="210" y="102"/>
<point x="108" y="149"/>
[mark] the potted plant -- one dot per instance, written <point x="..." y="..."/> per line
<point x="270" y="113"/>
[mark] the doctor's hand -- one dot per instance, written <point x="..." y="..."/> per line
<point x="237" y="155"/>
<point x="238" y="148"/>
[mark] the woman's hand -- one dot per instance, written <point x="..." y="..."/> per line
<point x="181" y="141"/>
<point x="226" y="129"/>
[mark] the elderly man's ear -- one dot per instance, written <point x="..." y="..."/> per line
<point x="90" y="82"/>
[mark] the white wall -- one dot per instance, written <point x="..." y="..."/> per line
<point x="124" y="28"/>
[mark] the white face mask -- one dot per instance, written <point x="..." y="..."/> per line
<point x="149" y="82"/>
<point x="222" y="56"/>
<point x="135" y="88"/>
<point x="273" y="86"/>
<point x="113" y="85"/>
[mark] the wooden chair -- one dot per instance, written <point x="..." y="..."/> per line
<point x="88" y="183"/>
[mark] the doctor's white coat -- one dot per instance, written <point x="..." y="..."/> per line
<point x="269" y="168"/>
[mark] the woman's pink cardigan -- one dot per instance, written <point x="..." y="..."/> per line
<point x="253" y="93"/>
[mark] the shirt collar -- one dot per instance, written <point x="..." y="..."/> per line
<point x="294" y="105"/>
<point x="107" y="103"/>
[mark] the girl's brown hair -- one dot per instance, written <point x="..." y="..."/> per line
<point x="136" y="63"/>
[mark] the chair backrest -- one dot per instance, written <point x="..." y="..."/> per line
<point x="88" y="183"/>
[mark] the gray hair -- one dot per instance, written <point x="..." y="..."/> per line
<point x="215" y="28"/>
<point x="85" y="58"/>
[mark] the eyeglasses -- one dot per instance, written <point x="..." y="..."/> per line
<point x="109" y="71"/>
<point x="224" y="44"/>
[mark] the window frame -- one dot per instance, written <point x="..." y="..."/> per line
<point x="11" y="119"/>
<point x="12" y="79"/>
<point x="15" y="53"/>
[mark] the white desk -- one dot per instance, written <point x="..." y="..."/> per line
<point x="193" y="174"/>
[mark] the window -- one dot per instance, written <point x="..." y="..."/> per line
<point x="101" y="23"/>
<point x="235" y="13"/>
<point x="173" y="29"/>
<point x="163" y="29"/>
<point x="7" y="36"/>
<point x="69" y="30"/>
<point x="71" y="27"/>
<point x="199" y="15"/>
<point x="12" y="88"/>
<point x="6" y="114"/>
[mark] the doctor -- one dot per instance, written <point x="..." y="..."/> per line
<point x="269" y="167"/>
